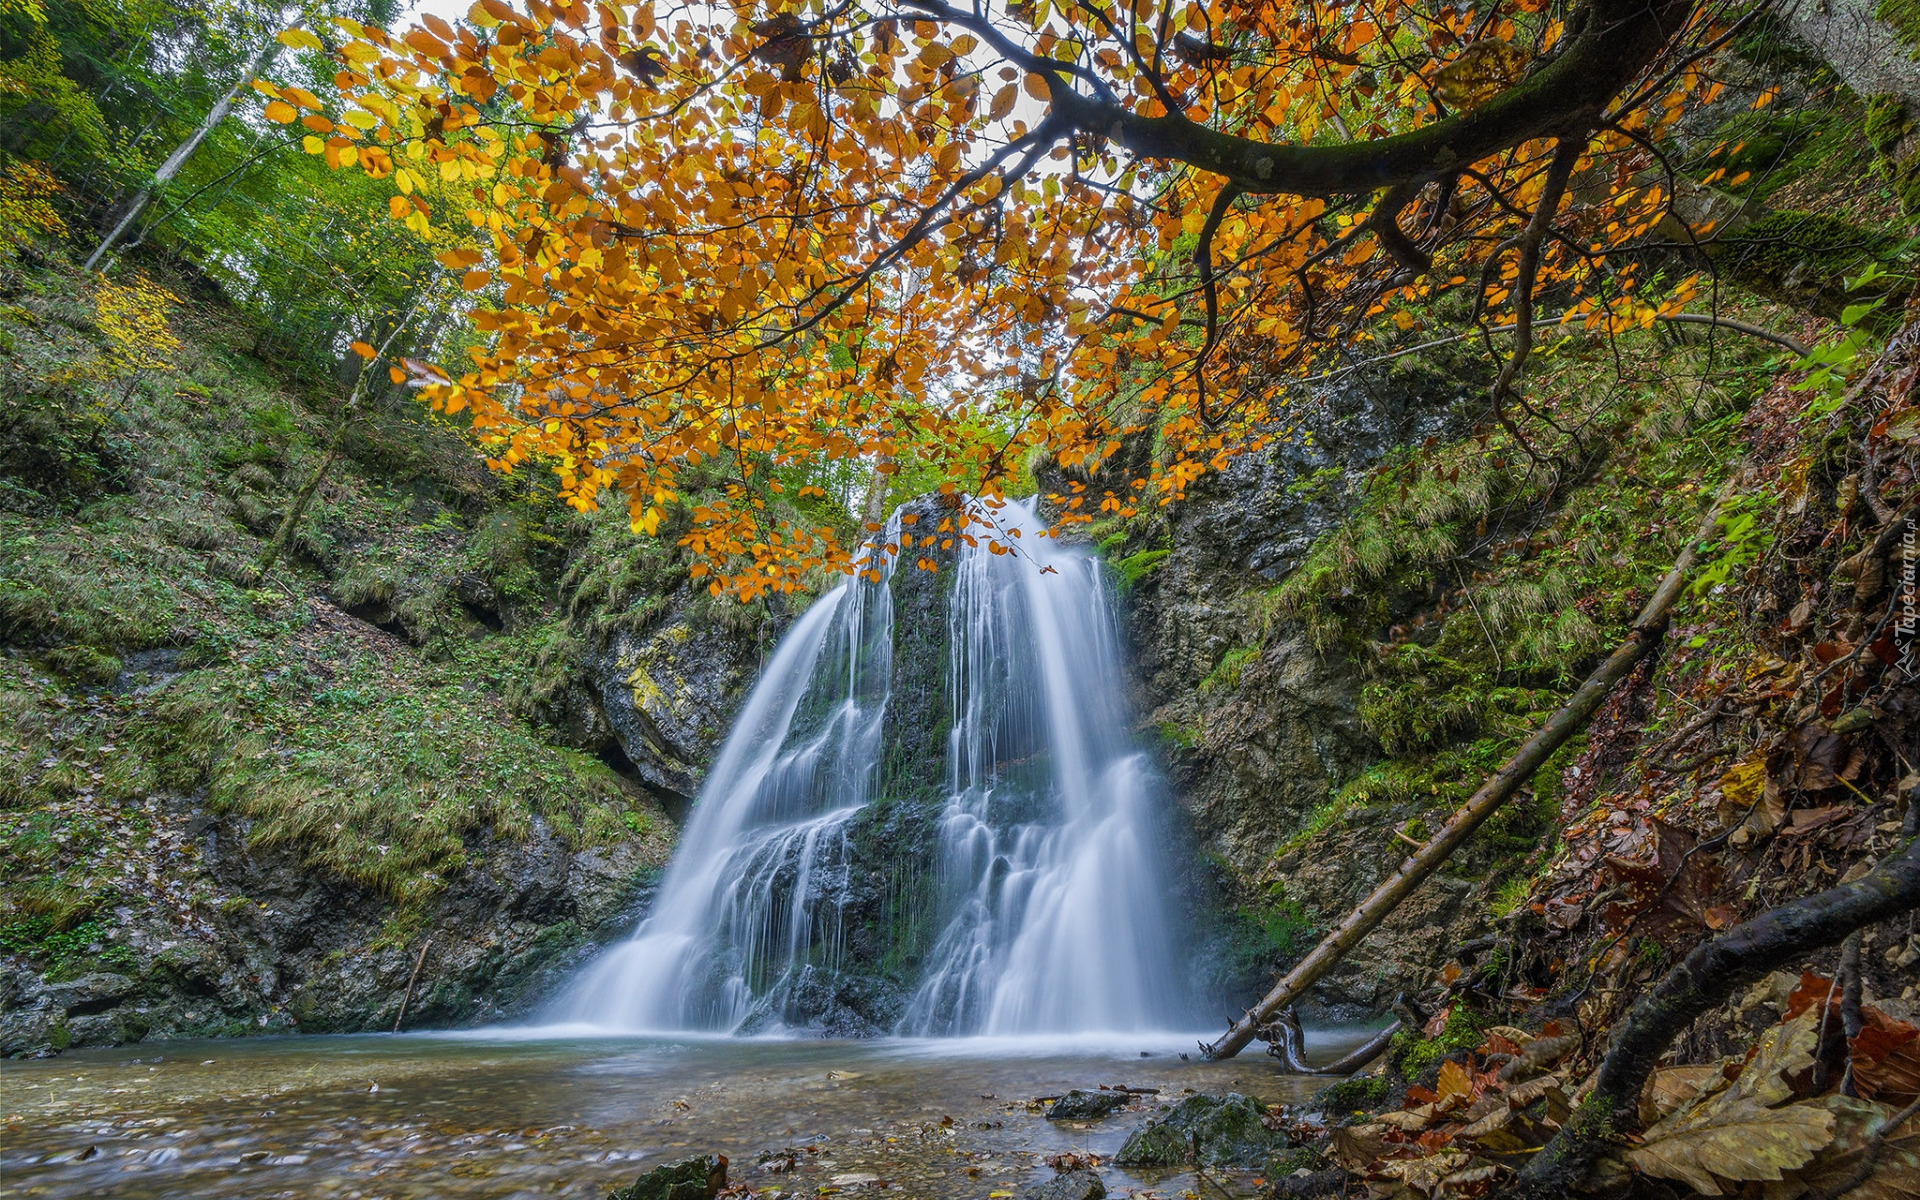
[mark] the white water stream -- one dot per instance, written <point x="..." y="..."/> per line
<point x="1050" y="880"/>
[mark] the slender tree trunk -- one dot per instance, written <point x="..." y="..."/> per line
<point x="298" y="509"/>
<point x="1570" y="719"/>
<point x="178" y="159"/>
<point x="283" y="536"/>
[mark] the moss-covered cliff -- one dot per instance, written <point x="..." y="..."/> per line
<point x="441" y="733"/>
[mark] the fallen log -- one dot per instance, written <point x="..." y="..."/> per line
<point x="1571" y="717"/>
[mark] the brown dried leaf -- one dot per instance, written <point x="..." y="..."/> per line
<point x="1886" y="1059"/>
<point x="1733" y="1137"/>
<point x="1413" y="1120"/>
<point x="1520" y="1095"/>
<point x="1455" y="1084"/>
<point x="1354" y="1146"/>
<point x="1786" y="1049"/>
<point x="1672" y="1088"/>
<point x="1423" y="1175"/>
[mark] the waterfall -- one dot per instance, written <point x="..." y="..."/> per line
<point x="1043" y="905"/>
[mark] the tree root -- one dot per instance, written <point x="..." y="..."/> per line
<point x="1288" y="1046"/>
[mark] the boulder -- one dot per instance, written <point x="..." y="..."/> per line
<point x="1068" y="1185"/>
<point x="1079" y="1105"/>
<point x="690" y="1179"/>
<point x="1225" y="1131"/>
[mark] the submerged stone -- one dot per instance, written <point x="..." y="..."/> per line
<point x="690" y="1179"/>
<point x="1068" y="1185"/>
<point x="1220" y="1131"/>
<point x="1081" y="1105"/>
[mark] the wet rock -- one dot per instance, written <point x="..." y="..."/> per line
<point x="1081" y="1105"/>
<point x="668" y="694"/>
<point x="1221" y="1131"/>
<point x="690" y="1179"/>
<point x="1068" y="1185"/>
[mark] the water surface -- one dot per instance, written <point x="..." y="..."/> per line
<point x="546" y="1114"/>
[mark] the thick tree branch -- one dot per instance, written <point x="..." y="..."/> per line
<point x="1618" y="40"/>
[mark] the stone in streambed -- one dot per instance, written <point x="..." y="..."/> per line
<point x="1226" y="1131"/>
<point x="1068" y="1185"/>
<point x="692" y="1179"/>
<point x="1079" y="1105"/>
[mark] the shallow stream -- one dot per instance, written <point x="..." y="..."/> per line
<point x="535" y="1113"/>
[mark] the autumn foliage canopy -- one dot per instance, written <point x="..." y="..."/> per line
<point x="756" y="239"/>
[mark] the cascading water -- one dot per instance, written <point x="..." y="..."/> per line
<point x="1043" y="910"/>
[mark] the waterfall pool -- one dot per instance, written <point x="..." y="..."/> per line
<point x="541" y="1113"/>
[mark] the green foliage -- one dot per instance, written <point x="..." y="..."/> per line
<point x="1743" y="539"/>
<point x="1831" y="365"/>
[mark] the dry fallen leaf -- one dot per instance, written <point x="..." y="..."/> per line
<point x="1733" y="1138"/>
<point x="1671" y="1088"/>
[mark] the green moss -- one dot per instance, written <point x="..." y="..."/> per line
<point x="1887" y="123"/>
<point x="1805" y="258"/>
<point x="1351" y="1095"/>
<point x="1904" y="17"/>
<point x="1412" y="1054"/>
<point x="1136" y="567"/>
<point x="87" y="665"/>
<point x="1225" y="675"/>
<point x="1173" y="733"/>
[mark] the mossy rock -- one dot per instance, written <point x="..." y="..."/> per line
<point x="690" y="1179"/>
<point x="1804" y="259"/>
<point x="1221" y="1131"/>
<point x="1351" y="1095"/>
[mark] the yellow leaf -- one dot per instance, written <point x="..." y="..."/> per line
<point x="280" y="112"/>
<point x="312" y="144"/>
<point x="363" y="350"/>
<point x="397" y="207"/>
<point x="299" y="39"/>
<point x="1742" y="782"/>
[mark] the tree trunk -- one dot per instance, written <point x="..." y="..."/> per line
<point x="1568" y="720"/>
<point x="283" y="536"/>
<point x="178" y="159"/>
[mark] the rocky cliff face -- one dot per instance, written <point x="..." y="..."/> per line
<point x="245" y="940"/>
<point x="1258" y="728"/>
